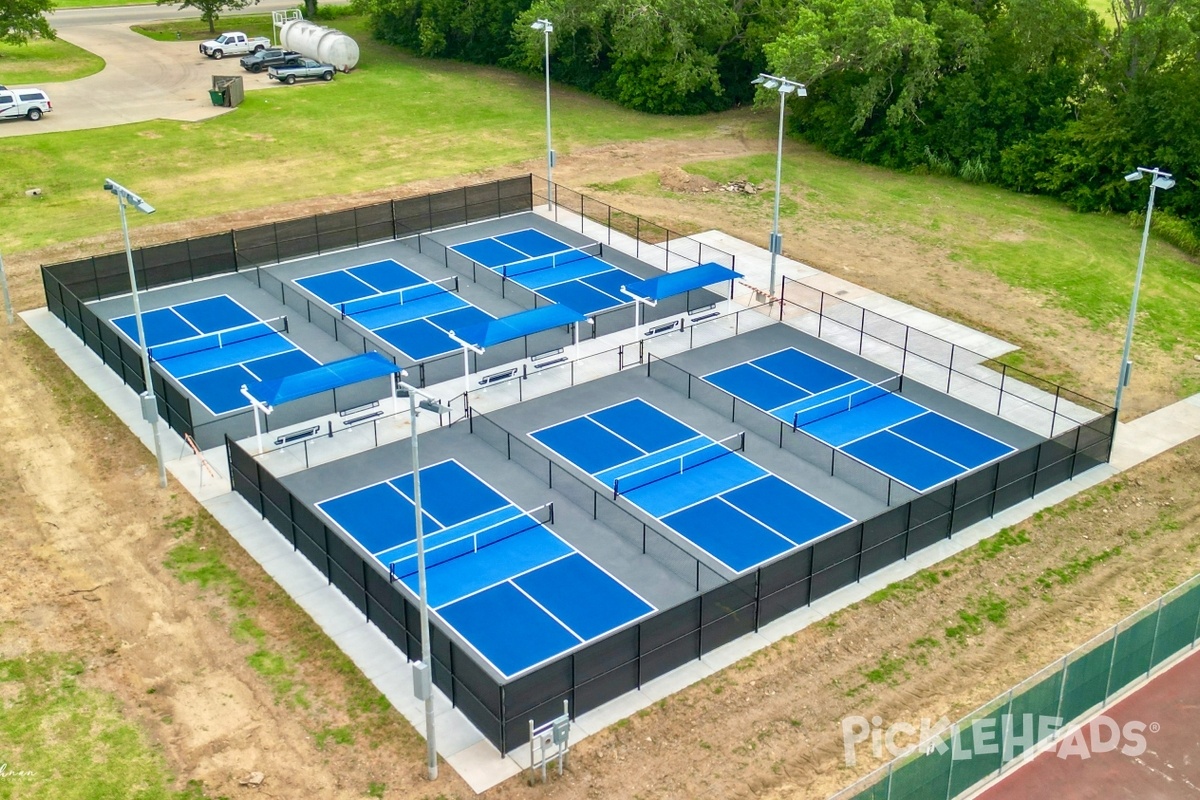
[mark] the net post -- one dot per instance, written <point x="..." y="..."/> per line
<point x="551" y="512"/>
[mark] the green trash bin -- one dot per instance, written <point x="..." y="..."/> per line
<point x="218" y="98"/>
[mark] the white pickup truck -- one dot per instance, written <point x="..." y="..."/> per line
<point x="232" y="44"/>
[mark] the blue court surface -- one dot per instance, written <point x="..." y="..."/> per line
<point x="406" y="310"/>
<point x="215" y="346"/>
<point x="574" y="278"/>
<point x="723" y="503"/>
<point x="509" y="586"/>
<point x="917" y="447"/>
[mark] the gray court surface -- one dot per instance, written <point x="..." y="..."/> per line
<point x="317" y="328"/>
<point x="621" y="558"/>
<point x="753" y="344"/>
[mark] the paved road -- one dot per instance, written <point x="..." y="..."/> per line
<point x="142" y="79"/>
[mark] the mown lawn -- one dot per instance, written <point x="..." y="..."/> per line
<point x="394" y="119"/>
<point x="45" y="61"/>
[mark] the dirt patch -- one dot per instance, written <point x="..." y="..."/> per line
<point x="85" y="534"/>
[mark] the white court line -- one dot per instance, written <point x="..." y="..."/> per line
<point x="547" y="611"/>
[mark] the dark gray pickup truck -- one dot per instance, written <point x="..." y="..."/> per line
<point x="301" y="68"/>
<point x="274" y="57"/>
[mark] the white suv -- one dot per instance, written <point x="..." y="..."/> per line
<point x="31" y="103"/>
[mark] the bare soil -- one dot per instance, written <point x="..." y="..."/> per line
<point x="85" y="534"/>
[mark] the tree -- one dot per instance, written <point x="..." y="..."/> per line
<point x="210" y="10"/>
<point x="662" y="56"/>
<point x="22" y="20"/>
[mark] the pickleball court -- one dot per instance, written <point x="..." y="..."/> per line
<point x="735" y="511"/>
<point x="870" y="421"/>
<point x="517" y="592"/>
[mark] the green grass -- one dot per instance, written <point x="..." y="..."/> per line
<point x="394" y="120"/>
<point x="972" y="620"/>
<point x="197" y="30"/>
<point x="46" y="61"/>
<point x="99" y="3"/>
<point x="60" y="740"/>
<point x="1081" y="263"/>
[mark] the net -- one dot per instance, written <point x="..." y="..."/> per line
<point x="539" y="263"/>
<point x="677" y="465"/>
<point x="845" y="402"/>
<point x="216" y="339"/>
<point x="469" y="537"/>
<point x="398" y="297"/>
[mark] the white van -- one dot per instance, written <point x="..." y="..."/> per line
<point x="31" y="103"/>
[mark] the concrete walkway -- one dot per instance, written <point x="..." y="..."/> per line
<point x="479" y="763"/>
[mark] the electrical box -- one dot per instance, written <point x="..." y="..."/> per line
<point x="422" y="681"/>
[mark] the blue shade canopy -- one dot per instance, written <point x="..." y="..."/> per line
<point x="514" y="326"/>
<point x="321" y="379"/>
<point x="664" y="286"/>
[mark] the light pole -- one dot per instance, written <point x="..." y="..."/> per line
<point x="785" y="87"/>
<point x="547" y="28"/>
<point x="1160" y="180"/>
<point x="423" y="672"/>
<point x="149" y="404"/>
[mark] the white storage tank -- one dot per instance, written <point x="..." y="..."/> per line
<point x="316" y="41"/>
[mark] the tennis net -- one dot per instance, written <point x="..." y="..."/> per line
<point x="468" y="537"/>
<point x="398" y="297"/>
<point x="539" y="263"/>
<point x="677" y="465"/>
<point x="217" y="339"/>
<point x="836" y="405"/>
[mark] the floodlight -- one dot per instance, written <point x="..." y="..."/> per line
<point x="785" y="86"/>
<point x="543" y="25"/>
<point x="434" y="406"/>
<point x="144" y="207"/>
<point x="1159" y="180"/>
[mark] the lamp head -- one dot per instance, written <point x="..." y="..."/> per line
<point x="1134" y="176"/>
<point x="144" y="207"/>
<point x="543" y="25"/>
<point x="759" y="80"/>
<point x="1163" y="182"/>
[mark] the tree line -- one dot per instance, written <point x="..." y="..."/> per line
<point x="1039" y="96"/>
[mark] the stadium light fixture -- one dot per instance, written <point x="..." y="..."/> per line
<point x="149" y="404"/>
<point x="1161" y="180"/>
<point x="547" y="28"/>
<point x="785" y="87"/>
<point x="423" y="670"/>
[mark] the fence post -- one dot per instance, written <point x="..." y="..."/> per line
<point x="1054" y="412"/>
<point x="821" y="319"/>
<point x="950" y="777"/>
<point x="1007" y="727"/>
<point x="782" y="295"/>
<point x="1196" y="630"/>
<point x="891" y="766"/>
<point x="862" y="328"/>
<point x="1112" y="661"/>
<point x="1062" y="688"/>
<point x="1000" y="397"/>
<point x="1154" y="641"/>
